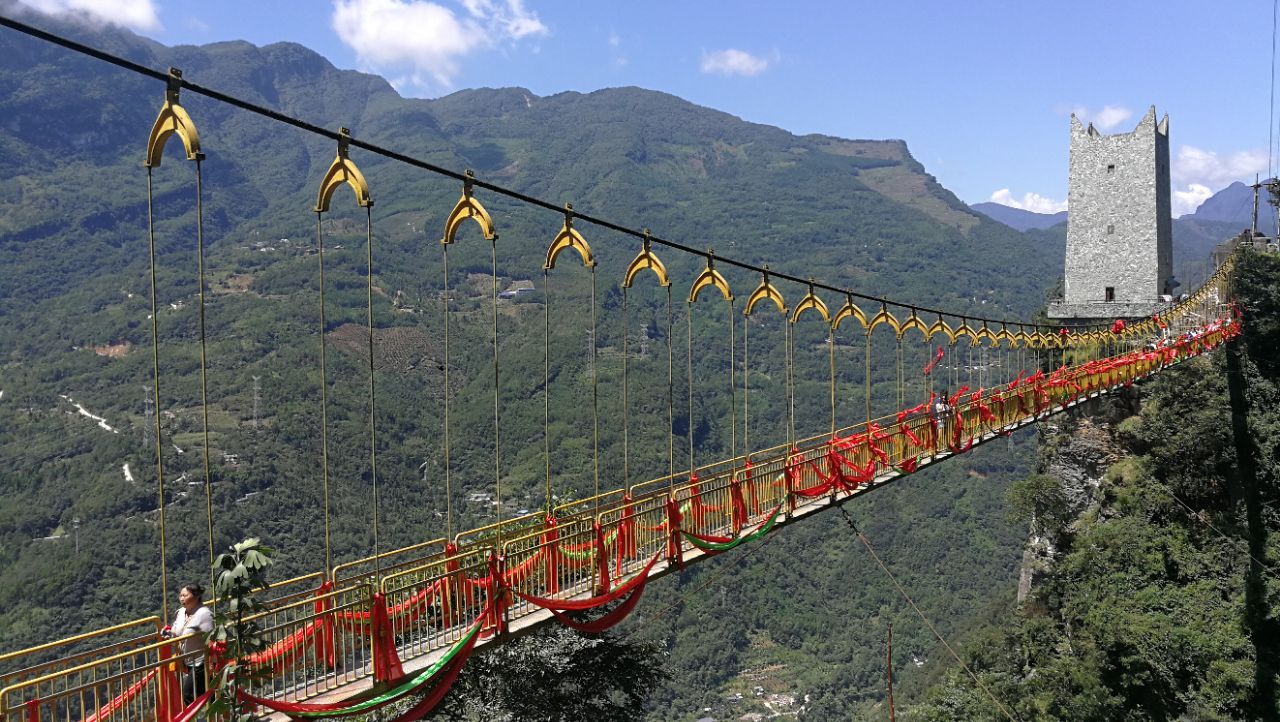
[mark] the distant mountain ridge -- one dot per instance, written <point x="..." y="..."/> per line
<point x="1220" y="217"/>
<point x="1019" y="219"/>
<point x="73" y="278"/>
<point x="1233" y="205"/>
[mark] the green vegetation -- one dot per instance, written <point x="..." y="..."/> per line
<point x="804" y="615"/>
<point x="241" y="573"/>
<point x="1159" y="603"/>
<point x="557" y="674"/>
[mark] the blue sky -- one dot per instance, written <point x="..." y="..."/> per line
<point x="981" y="91"/>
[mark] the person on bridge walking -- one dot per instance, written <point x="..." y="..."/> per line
<point x="192" y="617"/>
<point x="941" y="409"/>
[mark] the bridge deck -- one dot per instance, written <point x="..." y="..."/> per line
<point x="529" y="623"/>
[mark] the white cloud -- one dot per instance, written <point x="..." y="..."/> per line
<point x="1188" y="201"/>
<point x="427" y="39"/>
<point x="1204" y="172"/>
<point x="1110" y="116"/>
<point x="132" y="14"/>
<point x="1105" y="119"/>
<point x="1033" y="202"/>
<point x="1194" y="165"/>
<point x="616" y="54"/>
<point x="733" y="62"/>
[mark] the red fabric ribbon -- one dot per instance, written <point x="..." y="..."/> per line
<point x="751" y="487"/>
<point x="116" y="703"/>
<point x="598" y="600"/>
<point x="937" y="357"/>
<point x="551" y="542"/>
<point x="626" y="545"/>
<point x="169" y="701"/>
<point x="699" y="513"/>
<point x="674" y="553"/>
<point x="326" y="648"/>
<point x="739" y="504"/>
<point x="906" y="431"/>
<point x="194" y="708"/>
<point x="386" y="663"/>
<point x="602" y="558"/>
<point x="442" y="687"/>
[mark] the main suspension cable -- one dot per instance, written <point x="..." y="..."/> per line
<point x="439" y="170"/>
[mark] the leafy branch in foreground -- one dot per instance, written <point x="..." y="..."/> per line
<point x="240" y="573"/>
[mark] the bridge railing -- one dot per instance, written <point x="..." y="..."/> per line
<point x="367" y="570"/>
<point x="430" y="606"/>
<point x="132" y="684"/>
<point x="558" y="562"/>
<point x="314" y="643"/>
<point x="321" y="640"/>
<point x="73" y="652"/>
<point x="44" y="659"/>
<point x="291" y="590"/>
<point x="645" y="519"/>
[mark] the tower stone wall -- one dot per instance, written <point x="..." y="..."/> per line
<point x="1119" y="226"/>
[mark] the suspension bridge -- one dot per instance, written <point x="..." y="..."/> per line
<point x="399" y="624"/>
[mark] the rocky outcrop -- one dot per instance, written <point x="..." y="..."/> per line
<point x="1076" y="450"/>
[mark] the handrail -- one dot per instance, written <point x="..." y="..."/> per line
<point x="337" y="579"/>
<point x="564" y="563"/>
<point x="152" y="621"/>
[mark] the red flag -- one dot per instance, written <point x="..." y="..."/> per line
<point x="938" y="357"/>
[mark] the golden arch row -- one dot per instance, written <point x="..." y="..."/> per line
<point x="568" y="238"/>
<point x="173" y="120"/>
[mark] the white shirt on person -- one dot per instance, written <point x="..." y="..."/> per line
<point x="200" y="620"/>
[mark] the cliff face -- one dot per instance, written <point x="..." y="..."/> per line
<point x="1076" y="451"/>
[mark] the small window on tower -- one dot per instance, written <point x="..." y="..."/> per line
<point x="1111" y="167"/>
<point x="1110" y="229"/>
<point x="1111" y="293"/>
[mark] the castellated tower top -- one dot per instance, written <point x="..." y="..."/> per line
<point x="1119" y="224"/>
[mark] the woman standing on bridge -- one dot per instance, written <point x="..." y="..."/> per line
<point x="192" y="617"/>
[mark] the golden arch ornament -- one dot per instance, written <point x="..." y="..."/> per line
<point x="765" y="291"/>
<point x="466" y="208"/>
<point x="882" y="316"/>
<point x="172" y="120"/>
<point x="913" y="321"/>
<point x="710" y="278"/>
<point x="569" y="239"/>
<point x="940" y="327"/>
<point x="982" y="333"/>
<point x="343" y="171"/>
<point x="811" y="302"/>
<point x="646" y="261"/>
<point x="847" y="311"/>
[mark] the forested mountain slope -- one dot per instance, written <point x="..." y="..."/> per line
<point x="74" y="330"/>
<point x="1157" y="600"/>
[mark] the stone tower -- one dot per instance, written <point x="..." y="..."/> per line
<point x="1119" y="226"/>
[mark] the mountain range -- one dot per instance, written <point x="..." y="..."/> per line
<point x="76" y="333"/>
